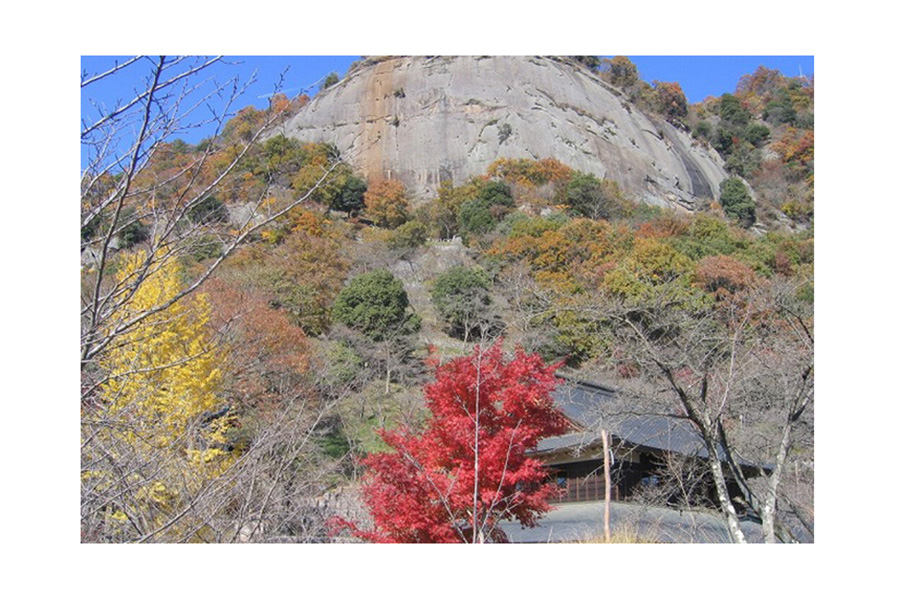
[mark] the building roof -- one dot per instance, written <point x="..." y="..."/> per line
<point x="580" y="400"/>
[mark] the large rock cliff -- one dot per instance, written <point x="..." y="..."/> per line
<point x="427" y="119"/>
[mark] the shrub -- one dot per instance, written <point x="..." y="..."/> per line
<point x="280" y="156"/>
<point x="736" y="201"/>
<point x="724" y="275"/>
<point x="591" y="197"/>
<point x="743" y="160"/>
<point x="375" y="304"/>
<point x="481" y="215"/>
<point x="132" y="230"/>
<point x="330" y="80"/>
<point x="409" y="235"/>
<point x="669" y="100"/>
<point x="518" y="224"/>
<point x="591" y="62"/>
<point x="496" y="193"/>
<point x="707" y="236"/>
<point x="732" y="112"/>
<point x="805" y="120"/>
<point x="475" y="218"/>
<point x="780" y="110"/>
<point x="524" y="171"/>
<point x="619" y="70"/>
<point x="723" y="140"/>
<point x="703" y="129"/>
<point x="308" y="179"/>
<point x="208" y="210"/>
<point x="206" y="247"/>
<point x="756" y="134"/>
<point x="134" y="233"/>
<point x="461" y="297"/>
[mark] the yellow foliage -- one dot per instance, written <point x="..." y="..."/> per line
<point x="163" y="371"/>
<point x="164" y="383"/>
<point x="558" y="282"/>
<point x="274" y="236"/>
<point x="654" y="271"/>
<point x="308" y="221"/>
<point x="376" y="235"/>
<point x="524" y="171"/>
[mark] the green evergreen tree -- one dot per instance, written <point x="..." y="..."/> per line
<point x="736" y="201"/>
<point x="376" y="305"/>
<point x="350" y="196"/>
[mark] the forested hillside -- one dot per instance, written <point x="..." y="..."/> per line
<point x="265" y="329"/>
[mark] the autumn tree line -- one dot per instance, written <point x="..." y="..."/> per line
<point x="764" y="131"/>
<point x="248" y="351"/>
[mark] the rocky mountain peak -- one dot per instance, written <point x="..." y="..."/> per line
<point x="424" y="120"/>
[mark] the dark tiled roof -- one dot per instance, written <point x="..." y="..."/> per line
<point x="564" y="441"/>
<point x="580" y="400"/>
<point x="660" y="432"/>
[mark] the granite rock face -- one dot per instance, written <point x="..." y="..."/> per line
<point x="424" y="120"/>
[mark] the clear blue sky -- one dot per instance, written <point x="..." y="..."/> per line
<point x="296" y="73"/>
<point x="703" y="76"/>
<point x="699" y="76"/>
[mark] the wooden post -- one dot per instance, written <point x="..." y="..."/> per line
<point x="606" y="489"/>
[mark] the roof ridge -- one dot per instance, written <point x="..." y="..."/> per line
<point x="585" y="383"/>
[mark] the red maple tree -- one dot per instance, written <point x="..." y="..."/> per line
<point x="454" y="481"/>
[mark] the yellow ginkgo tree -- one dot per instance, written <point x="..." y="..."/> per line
<point x="157" y="439"/>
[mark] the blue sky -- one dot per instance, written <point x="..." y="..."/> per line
<point x="699" y="76"/>
<point x="703" y="76"/>
<point x="296" y="74"/>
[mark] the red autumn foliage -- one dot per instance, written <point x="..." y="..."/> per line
<point x="663" y="227"/>
<point x="467" y="470"/>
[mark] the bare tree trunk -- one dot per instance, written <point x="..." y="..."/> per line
<point x="727" y="506"/>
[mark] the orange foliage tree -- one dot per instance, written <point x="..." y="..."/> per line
<point x="387" y="203"/>
<point x="269" y="353"/>
<point x="524" y="171"/>
<point x="303" y="274"/>
<point x="724" y="276"/>
<point x="533" y="180"/>
<point x="670" y="100"/>
<point x="796" y="149"/>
